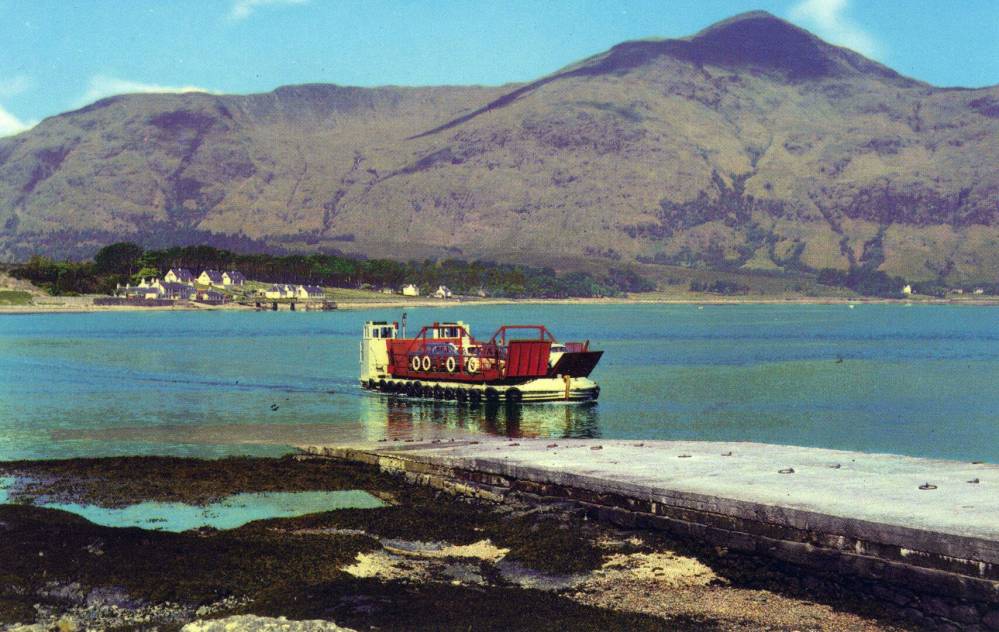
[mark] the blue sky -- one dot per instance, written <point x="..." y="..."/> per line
<point x="57" y="55"/>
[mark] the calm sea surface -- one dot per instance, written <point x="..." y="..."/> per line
<point x="918" y="380"/>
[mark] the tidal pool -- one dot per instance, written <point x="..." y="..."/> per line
<point x="229" y="513"/>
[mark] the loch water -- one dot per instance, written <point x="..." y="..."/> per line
<point x="918" y="380"/>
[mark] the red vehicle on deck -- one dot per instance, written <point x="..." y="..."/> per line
<point x="444" y="361"/>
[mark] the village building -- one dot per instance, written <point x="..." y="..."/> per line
<point x="387" y="290"/>
<point x="907" y="290"/>
<point x="210" y="277"/>
<point x="410" y="290"/>
<point x="309" y="291"/>
<point x="979" y="291"/>
<point x="139" y="291"/>
<point x="179" y="275"/>
<point x="233" y="277"/>
<point x="176" y="291"/>
<point x="442" y="292"/>
<point x="279" y="290"/>
<point x="211" y="296"/>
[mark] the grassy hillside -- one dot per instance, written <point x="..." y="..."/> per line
<point x="751" y="146"/>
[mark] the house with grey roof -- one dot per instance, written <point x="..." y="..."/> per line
<point x="211" y="296"/>
<point x="179" y="275"/>
<point x="177" y="291"/>
<point x="310" y="291"/>
<point x="280" y="290"/>
<point x="233" y="277"/>
<point x="211" y="277"/>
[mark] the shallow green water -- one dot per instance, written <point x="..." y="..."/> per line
<point x="915" y="380"/>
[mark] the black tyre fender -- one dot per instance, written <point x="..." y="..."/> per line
<point x="461" y="395"/>
<point x="449" y="393"/>
<point x="474" y="395"/>
<point x="381" y="385"/>
<point x="415" y="389"/>
<point x="428" y="392"/>
<point x="514" y="396"/>
<point x="492" y="395"/>
<point x="438" y="392"/>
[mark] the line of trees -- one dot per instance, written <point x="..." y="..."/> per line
<point x="863" y="280"/>
<point x="127" y="262"/>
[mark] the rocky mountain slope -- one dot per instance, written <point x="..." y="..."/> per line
<point x="752" y="144"/>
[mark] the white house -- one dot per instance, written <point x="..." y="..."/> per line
<point x="140" y="291"/>
<point x="410" y="290"/>
<point x="309" y="291"/>
<point x="210" y="277"/>
<point x="211" y="296"/>
<point x="442" y="292"/>
<point x="907" y="290"/>
<point x="179" y="275"/>
<point x="233" y="277"/>
<point x="979" y="291"/>
<point x="279" y="290"/>
<point x="181" y="291"/>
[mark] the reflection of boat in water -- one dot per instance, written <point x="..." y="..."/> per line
<point x="398" y="418"/>
<point x="443" y="361"/>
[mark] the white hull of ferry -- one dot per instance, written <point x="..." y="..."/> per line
<point x="556" y="389"/>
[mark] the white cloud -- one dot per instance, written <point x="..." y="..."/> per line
<point x="242" y="9"/>
<point x="13" y="86"/>
<point x="101" y="86"/>
<point x="10" y="124"/>
<point x="828" y="19"/>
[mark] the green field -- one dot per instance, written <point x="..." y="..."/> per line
<point x="14" y="297"/>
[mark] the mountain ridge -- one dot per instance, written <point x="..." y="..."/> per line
<point x="751" y="144"/>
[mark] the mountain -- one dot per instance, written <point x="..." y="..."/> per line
<point x="750" y="145"/>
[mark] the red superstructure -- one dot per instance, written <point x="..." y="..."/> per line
<point x="449" y="352"/>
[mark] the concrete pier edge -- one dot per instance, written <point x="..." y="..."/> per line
<point x="921" y="534"/>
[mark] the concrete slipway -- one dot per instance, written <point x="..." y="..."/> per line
<point x="924" y="531"/>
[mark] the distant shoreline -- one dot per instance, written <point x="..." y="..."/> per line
<point x="84" y="305"/>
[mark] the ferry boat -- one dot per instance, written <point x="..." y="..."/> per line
<point x="519" y="363"/>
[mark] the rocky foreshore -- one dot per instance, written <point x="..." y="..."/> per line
<point x="424" y="561"/>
